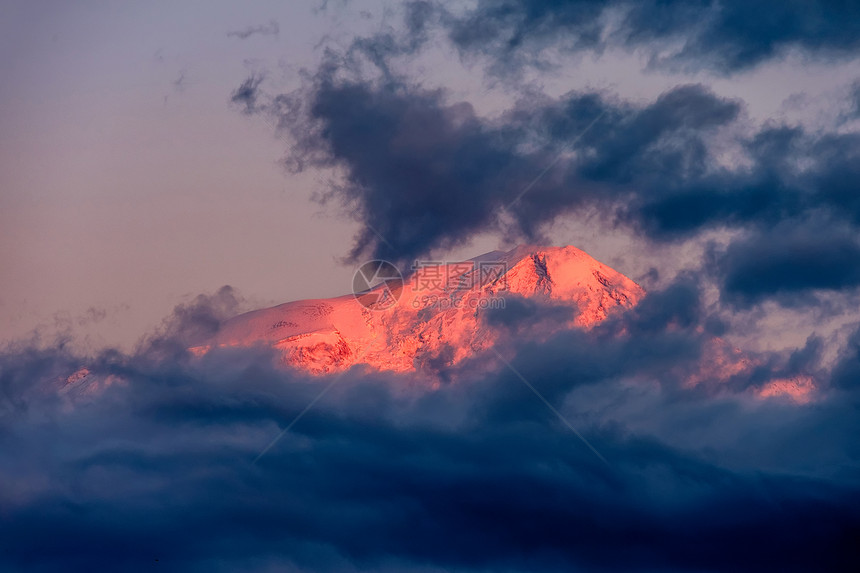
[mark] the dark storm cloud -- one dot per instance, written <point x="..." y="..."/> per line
<point x="519" y="310"/>
<point x="247" y="94"/>
<point x="658" y="161"/>
<point x="668" y="336"/>
<point x="384" y="475"/>
<point x="191" y="324"/>
<point x="270" y="29"/>
<point x="421" y="172"/>
<point x="790" y="261"/>
<point x="725" y="36"/>
<point x="846" y="373"/>
<point x="855" y="100"/>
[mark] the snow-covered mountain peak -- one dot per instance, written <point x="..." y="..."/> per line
<point x="440" y="313"/>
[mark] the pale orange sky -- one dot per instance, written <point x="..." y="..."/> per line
<point x="129" y="185"/>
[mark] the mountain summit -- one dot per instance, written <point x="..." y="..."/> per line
<point x="435" y="316"/>
<point x="441" y="314"/>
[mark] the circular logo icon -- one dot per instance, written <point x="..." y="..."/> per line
<point x="377" y="285"/>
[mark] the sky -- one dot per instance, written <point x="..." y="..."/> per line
<point x="128" y="181"/>
<point x="164" y="166"/>
<point x="131" y="184"/>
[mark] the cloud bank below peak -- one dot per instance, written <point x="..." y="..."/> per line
<point x="158" y="468"/>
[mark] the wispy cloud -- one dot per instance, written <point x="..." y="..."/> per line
<point x="270" y="29"/>
<point x="726" y="36"/>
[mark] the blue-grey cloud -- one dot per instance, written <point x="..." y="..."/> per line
<point x="855" y="100"/>
<point x="423" y="173"/>
<point x="270" y="29"/>
<point x="156" y="470"/>
<point x="846" y="372"/>
<point x="247" y="94"/>
<point x="726" y="36"/>
<point x="790" y="263"/>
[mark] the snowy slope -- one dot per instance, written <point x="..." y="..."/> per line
<point x="439" y="316"/>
